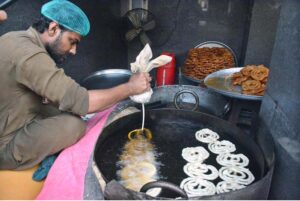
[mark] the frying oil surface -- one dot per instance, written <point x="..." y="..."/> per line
<point x="137" y="163"/>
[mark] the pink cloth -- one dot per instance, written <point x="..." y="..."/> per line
<point x="65" y="180"/>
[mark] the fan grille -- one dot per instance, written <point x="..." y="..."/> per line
<point x="138" y="22"/>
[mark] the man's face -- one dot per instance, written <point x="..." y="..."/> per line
<point x="63" y="45"/>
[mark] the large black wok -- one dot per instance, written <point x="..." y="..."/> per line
<point x="172" y="131"/>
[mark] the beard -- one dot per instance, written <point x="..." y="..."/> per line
<point x="55" y="54"/>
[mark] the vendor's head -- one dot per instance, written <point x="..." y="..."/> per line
<point x="62" y="26"/>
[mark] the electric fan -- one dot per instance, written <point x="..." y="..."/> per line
<point x="139" y="21"/>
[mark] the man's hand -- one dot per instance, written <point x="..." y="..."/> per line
<point x="3" y="15"/>
<point x="103" y="98"/>
<point x="139" y="83"/>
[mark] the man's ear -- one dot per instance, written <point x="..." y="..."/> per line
<point x="53" y="28"/>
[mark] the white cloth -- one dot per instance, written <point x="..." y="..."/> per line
<point x="143" y="64"/>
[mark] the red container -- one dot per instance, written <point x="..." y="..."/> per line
<point x="165" y="75"/>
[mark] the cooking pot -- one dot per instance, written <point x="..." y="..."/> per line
<point x="184" y="97"/>
<point x="174" y="130"/>
<point x="193" y="98"/>
<point x="105" y="79"/>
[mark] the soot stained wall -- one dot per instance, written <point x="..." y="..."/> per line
<point x="280" y="108"/>
<point x="182" y="25"/>
<point x="264" y="19"/>
<point x="101" y="49"/>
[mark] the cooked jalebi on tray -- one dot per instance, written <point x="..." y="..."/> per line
<point x="252" y="79"/>
<point x="202" y="61"/>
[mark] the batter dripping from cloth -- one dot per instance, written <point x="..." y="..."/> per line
<point x="143" y="64"/>
<point x="138" y="164"/>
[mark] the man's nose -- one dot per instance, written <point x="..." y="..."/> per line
<point x="73" y="50"/>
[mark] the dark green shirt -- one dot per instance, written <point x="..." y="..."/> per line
<point x="27" y="74"/>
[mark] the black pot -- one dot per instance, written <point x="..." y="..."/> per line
<point x="174" y="130"/>
<point x="193" y="98"/>
<point x="184" y="97"/>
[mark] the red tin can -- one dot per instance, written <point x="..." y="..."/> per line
<point x="165" y="75"/>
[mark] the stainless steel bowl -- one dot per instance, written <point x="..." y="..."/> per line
<point x="105" y="79"/>
<point x="219" y="44"/>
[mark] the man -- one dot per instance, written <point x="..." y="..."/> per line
<point x="40" y="106"/>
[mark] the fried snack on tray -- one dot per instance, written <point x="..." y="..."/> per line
<point x="247" y="70"/>
<point x="260" y="73"/>
<point x="203" y="61"/>
<point x="238" y="78"/>
<point x="252" y="79"/>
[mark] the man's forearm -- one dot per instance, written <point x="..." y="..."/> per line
<point x="104" y="98"/>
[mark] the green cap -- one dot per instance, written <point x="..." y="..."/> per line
<point x="68" y="15"/>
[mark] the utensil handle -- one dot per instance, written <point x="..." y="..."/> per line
<point x="226" y="110"/>
<point x="189" y="92"/>
<point x="164" y="185"/>
<point x="6" y="3"/>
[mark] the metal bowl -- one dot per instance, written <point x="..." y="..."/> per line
<point x="105" y="79"/>
<point x="219" y="44"/>
<point x="211" y="44"/>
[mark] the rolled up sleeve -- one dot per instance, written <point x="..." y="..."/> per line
<point x="39" y="73"/>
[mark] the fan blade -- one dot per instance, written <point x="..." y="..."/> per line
<point x="144" y="38"/>
<point x="134" y="19"/>
<point x="131" y="34"/>
<point x="149" y="25"/>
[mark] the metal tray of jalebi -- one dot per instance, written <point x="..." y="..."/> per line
<point x="206" y="58"/>
<point x="212" y="44"/>
<point x="221" y="82"/>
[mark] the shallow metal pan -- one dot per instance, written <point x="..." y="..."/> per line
<point x="105" y="79"/>
<point x="212" y="44"/>
<point x="221" y="82"/>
